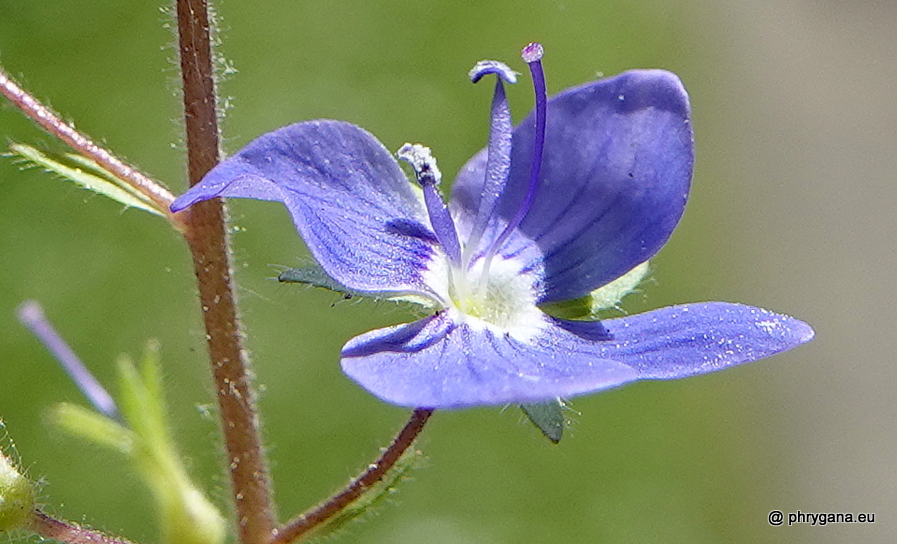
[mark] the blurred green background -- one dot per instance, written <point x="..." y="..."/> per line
<point x="792" y="209"/>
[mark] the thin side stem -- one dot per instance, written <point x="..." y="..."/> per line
<point x="68" y="532"/>
<point x="319" y="515"/>
<point x="51" y="122"/>
<point x="206" y="235"/>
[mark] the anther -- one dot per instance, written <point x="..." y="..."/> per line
<point x="485" y="67"/>
<point x="429" y="176"/>
<point x="422" y="162"/>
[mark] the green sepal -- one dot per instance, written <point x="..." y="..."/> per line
<point x="576" y="309"/>
<point x="315" y="276"/>
<point x="548" y="417"/>
<point x="89" y="175"/>
<point x="592" y="306"/>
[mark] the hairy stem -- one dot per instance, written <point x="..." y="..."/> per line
<point x="206" y="235"/>
<point x="68" y="532"/>
<point x="320" y="514"/>
<point x="51" y="122"/>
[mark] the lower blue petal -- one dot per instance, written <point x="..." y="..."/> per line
<point x="437" y="363"/>
<point x="679" y="341"/>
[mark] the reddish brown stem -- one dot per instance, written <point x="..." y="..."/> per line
<point x="68" y="532"/>
<point x="206" y="234"/>
<point x="319" y="515"/>
<point x="51" y="122"/>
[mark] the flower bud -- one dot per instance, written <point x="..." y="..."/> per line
<point x="16" y="496"/>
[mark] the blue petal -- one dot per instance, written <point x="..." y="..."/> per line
<point x="680" y="341"/>
<point x="615" y="179"/>
<point x="351" y="202"/>
<point x="436" y="363"/>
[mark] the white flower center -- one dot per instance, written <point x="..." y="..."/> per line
<point x="504" y="300"/>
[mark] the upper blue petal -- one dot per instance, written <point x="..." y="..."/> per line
<point x="436" y="363"/>
<point x="615" y="179"/>
<point x="347" y="195"/>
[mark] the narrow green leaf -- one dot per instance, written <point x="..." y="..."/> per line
<point x="95" y="168"/>
<point x="186" y="516"/>
<point x="548" y="417"/>
<point x="92" y="426"/>
<point x="88" y="175"/>
<point x="134" y="400"/>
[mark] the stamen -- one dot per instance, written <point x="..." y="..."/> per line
<point x="486" y="67"/>
<point x="532" y="55"/>
<point x="498" y="162"/>
<point x="32" y="316"/>
<point x="429" y="176"/>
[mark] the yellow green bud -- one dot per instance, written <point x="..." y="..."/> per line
<point x="16" y="496"/>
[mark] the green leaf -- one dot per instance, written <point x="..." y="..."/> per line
<point x="89" y="175"/>
<point x="548" y="417"/>
<point x="185" y="515"/>
<point x="92" y="426"/>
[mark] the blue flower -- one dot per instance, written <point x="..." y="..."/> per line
<point x="586" y="189"/>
